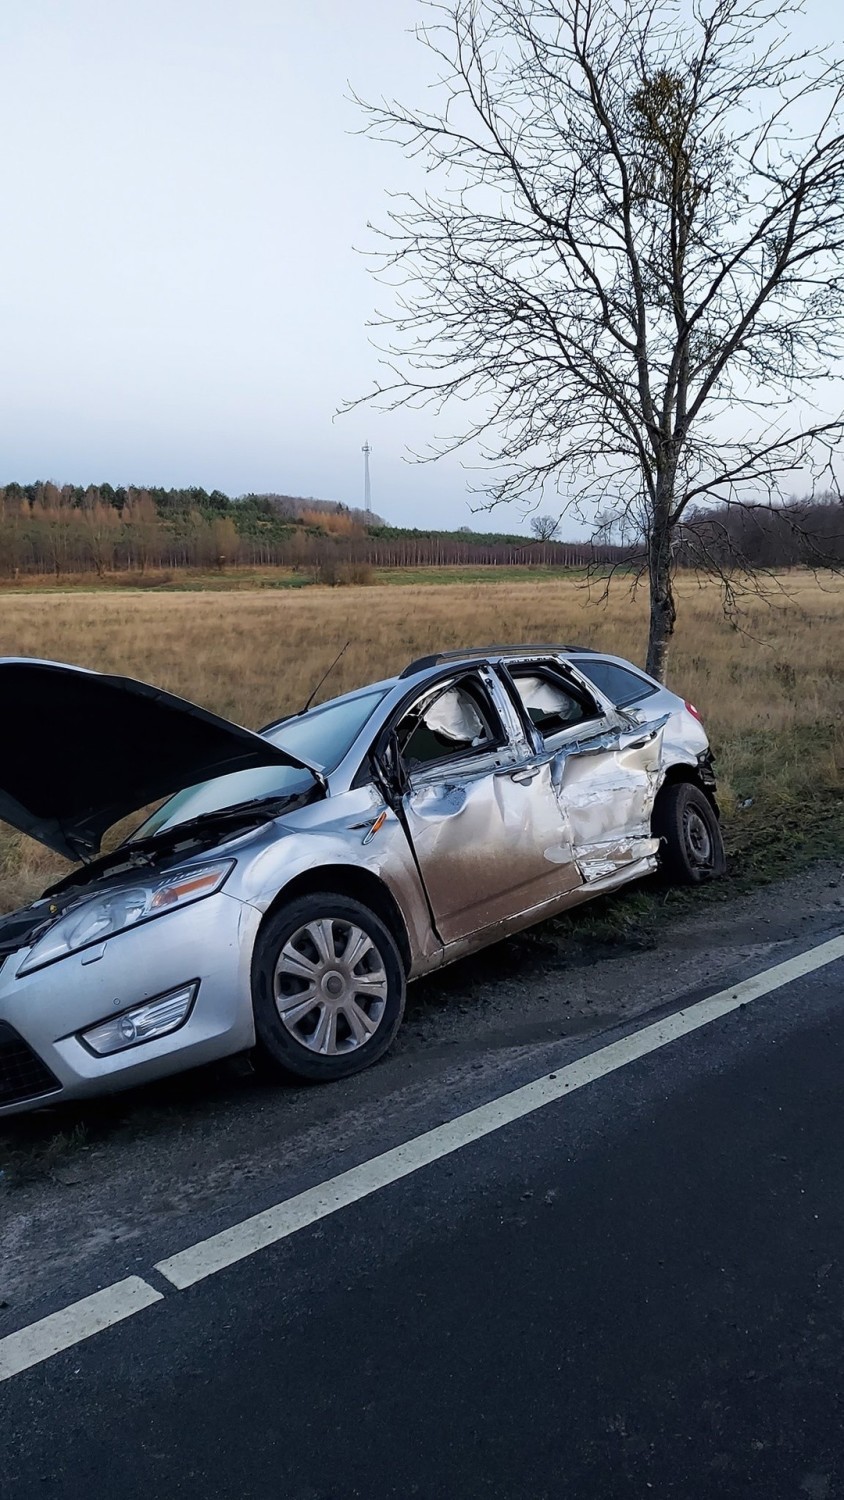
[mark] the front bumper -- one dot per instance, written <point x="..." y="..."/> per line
<point x="42" y="1014"/>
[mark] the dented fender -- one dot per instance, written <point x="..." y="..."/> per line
<point x="342" y="833"/>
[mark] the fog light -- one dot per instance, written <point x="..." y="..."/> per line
<point x="143" y="1023"/>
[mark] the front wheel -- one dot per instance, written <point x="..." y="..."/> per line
<point x="328" y="988"/>
<point x="691" y="843"/>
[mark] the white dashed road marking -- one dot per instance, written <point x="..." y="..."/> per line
<point x="29" y="1346"/>
<point x="69" y="1326"/>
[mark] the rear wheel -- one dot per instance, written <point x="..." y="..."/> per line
<point x="328" y="988"/>
<point x="691" y="844"/>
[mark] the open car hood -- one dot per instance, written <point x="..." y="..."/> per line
<point x="80" y="750"/>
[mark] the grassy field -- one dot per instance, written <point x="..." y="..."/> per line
<point x="772" y="694"/>
<point x="246" y="580"/>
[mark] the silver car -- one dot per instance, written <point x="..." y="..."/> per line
<point x="295" y="880"/>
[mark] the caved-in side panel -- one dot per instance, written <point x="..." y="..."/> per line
<point x="607" y="797"/>
<point x="489" y="846"/>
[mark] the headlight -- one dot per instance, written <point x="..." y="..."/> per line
<point x="127" y="906"/>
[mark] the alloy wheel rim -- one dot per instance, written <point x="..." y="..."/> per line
<point x="330" y="986"/>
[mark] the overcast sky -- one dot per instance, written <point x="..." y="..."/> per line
<point x="180" y="299"/>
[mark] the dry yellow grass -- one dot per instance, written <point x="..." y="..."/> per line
<point x="771" y="695"/>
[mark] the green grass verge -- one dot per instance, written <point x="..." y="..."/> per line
<point x="187" y="581"/>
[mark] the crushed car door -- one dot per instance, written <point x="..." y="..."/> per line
<point x="607" y="788"/>
<point x="605" y="771"/>
<point x="481" y="813"/>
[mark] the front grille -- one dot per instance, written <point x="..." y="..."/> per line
<point x="22" y="1073"/>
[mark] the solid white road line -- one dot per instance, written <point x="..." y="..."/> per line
<point x="284" y="1219"/>
<point x="19" y="1351"/>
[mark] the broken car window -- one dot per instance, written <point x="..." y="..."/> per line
<point x="453" y="723"/>
<point x="549" y="704"/>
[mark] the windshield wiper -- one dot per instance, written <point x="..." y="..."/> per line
<point x="134" y="853"/>
<point x="264" y="808"/>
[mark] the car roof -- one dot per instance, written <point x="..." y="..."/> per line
<point x="482" y="653"/>
<point x="423" y="666"/>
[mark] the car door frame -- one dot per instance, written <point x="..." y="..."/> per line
<point x="524" y="836"/>
<point x="606" y="835"/>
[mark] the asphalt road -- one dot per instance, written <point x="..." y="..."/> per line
<point x="96" y="1192"/>
<point x="636" y="1289"/>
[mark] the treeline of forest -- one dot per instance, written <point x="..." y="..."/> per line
<point x="798" y="533"/>
<point x="66" y="530"/>
<point x="47" y="529"/>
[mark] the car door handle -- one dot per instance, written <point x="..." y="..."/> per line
<point x="523" y="775"/>
<point x="636" y="739"/>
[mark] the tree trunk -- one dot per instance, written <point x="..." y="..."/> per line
<point x="663" y="607"/>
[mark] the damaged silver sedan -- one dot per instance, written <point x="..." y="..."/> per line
<point x="293" y="881"/>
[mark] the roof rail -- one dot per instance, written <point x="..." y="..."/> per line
<point x="473" y="653"/>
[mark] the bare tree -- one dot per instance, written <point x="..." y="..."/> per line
<point x="544" y="528"/>
<point x="629" y="264"/>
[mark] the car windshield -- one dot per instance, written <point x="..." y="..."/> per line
<point x="322" y="737"/>
<point x="325" y="734"/>
<point x="221" y="792"/>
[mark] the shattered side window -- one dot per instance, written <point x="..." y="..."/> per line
<point x="549" y="704"/>
<point x="452" y="724"/>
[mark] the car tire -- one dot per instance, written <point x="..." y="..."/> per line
<point x="328" y="988"/>
<point x="691" y="844"/>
